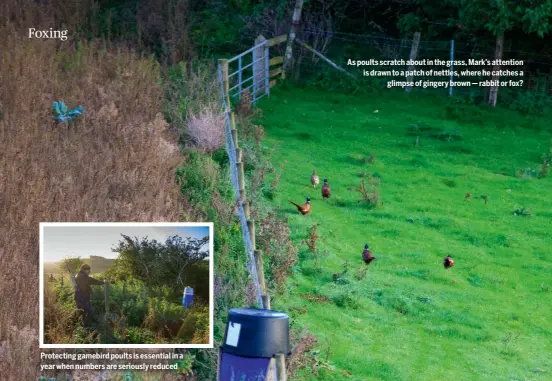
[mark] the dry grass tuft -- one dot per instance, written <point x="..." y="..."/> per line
<point x="115" y="164"/>
<point x="303" y="343"/>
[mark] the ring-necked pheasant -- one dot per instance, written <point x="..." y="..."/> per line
<point x="314" y="179"/>
<point x="367" y="256"/>
<point x="448" y="262"/>
<point x="305" y="208"/>
<point x="326" y="192"/>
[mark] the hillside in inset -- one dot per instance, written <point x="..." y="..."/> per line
<point x="98" y="264"/>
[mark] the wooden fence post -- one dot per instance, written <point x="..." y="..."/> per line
<point x="259" y="69"/>
<point x="292" y="33"/>
<point x="106" y="288"/>
<point x="281" y="367"/>
<point x="247" y="210"/>
<point x="251" y="228"/>
<point x="266" y="301"/>
<point x="413" y="55"/>
<point x="235" y="137"/>
<point x="241" y="180"/>
<point x="271" y="374"/>
<point x="233" y="125"/>
<point x="260" y="268"/>
<point x="224" y="69"/>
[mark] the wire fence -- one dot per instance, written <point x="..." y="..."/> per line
<point x="252" y="75"/>
<point x="231" y="151"/>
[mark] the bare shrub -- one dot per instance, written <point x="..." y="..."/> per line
<point x="303" y="342"/>
<point x="206" y="128"/>
<point x="370" y="195"/>
<point x="312" y="237"/>
<point x="361" y="273"/>
<point x="243" y="108"/>
<point x="273" y="238"/>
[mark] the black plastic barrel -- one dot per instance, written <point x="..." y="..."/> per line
<point x="252" y="332"/>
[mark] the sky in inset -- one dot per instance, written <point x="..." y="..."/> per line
<point x="82" y="241"/>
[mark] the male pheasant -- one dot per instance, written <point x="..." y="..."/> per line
<point x="367" y="256"/>
<point x="305" y="208"/>
<point x="326" y="192"/>
<point x="448" y="262"/>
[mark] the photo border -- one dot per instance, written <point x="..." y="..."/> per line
<point x="127" y="224"/>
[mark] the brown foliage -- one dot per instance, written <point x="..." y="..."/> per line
<point x="361" y="273"/>
<point x="369" y="195"/>
<point x="312" y="237"/>
<point x="315" y="298"/>
<point x="303" y="342"/>
<point x="115" y="164"/>
<point x="243" y="109"/>
<point x="273" y="238"/>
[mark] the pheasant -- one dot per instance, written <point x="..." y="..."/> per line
<point x="448" y="262"/>
<point x="468" y="196"/>
<point x="367" y="256"/>
<point x="305" y="208"/>
<point x="326" y="192"/>
<point x="314" y="179"/>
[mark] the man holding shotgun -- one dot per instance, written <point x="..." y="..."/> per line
<point x="83" y="292"/>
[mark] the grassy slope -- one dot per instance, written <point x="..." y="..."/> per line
<point x="488" y="317"/>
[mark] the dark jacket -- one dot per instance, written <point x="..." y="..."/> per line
<point x="84" y="283"/>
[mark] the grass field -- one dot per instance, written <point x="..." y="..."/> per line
<point x="487" y="318"/>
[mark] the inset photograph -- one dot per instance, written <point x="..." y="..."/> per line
<point x="126" y="285"/>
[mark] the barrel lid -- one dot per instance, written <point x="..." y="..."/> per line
<point x="257" y="312"/>
<point x="256" y="332"/>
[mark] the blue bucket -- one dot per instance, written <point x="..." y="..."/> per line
<point x="188" y="297"/>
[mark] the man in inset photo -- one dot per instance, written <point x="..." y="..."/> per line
<point x="84" y="291"/>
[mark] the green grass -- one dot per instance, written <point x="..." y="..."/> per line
<point x="487" y="318"/>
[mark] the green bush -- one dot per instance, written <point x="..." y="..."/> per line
<point x="347" y="299"/>
<point x="198" y="178"/>
<point x="195" y="320"/>
<point x="137" y="335"/>
<point x="333" y="81"/>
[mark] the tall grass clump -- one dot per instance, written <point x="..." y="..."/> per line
<point x="193" y="104"/>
